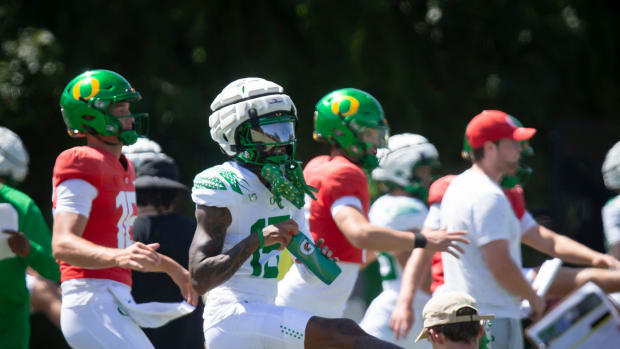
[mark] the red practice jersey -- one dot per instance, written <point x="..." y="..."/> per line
<point x="335" y="177"/>
<point x="113" y="210"/>
<point x="435" y="195"/>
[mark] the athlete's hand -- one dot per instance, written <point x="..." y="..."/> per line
<point x="606" y="261"/>
<point x="181" y="277"/>
<point x="444" y="241"/>
<point x="138" y="257"/>
<point x="402" y="320"/>
<point x="18" y="243"/>
<point x="538" y="307"/>
<point x="320" y="244"/>
<point x="280" y="233"/>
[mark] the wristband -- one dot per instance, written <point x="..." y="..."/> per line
<point x="419" y="241"/>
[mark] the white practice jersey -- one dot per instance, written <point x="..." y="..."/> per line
<point x="399" y="213"/>
<point x="405" y="214"/>
<point x="611" y="221"/>
<point x="252" y="207"/>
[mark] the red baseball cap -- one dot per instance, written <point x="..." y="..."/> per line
<point x="493" y="125"/>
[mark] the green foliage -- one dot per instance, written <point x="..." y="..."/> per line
<point x="433" y="65"/>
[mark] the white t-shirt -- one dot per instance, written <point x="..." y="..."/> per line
<point x="399" y="213"/>
<point x="476" y="204"/>
<point x="611" y="221"/>
<point x="433" y="219"/>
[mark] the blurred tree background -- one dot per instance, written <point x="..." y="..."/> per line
<point x="433" y="65"/>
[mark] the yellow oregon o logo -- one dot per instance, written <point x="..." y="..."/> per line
<point x="94" y="88"/>
<point x="354" y="106"/>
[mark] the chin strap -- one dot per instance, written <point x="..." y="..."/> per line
<point x="290" y="185"/>
<point x="94" y="133"/>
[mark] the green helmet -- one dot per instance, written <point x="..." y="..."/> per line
<point x="85" y="105"/>
<point x="353" y="120"/>
<point x="524" y="172"/>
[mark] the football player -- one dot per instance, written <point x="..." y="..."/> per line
<point x="247" y="210"/>
<point x="26" y="241"/>
<point x="94" y="203"/>
<point x="405" y="173"/>
<point x="353" y="123"/>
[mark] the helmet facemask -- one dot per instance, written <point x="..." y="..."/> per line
<point x="367" y="138"/>
<point x="401" y="162"/>
<point x="269" y="139"/>
<point x="416" y="186"/>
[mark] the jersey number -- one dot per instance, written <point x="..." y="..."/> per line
<point x="125" y="200"/>
<point x="266" y="270"/>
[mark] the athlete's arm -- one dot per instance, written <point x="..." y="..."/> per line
<point x="69" y="246"/>
<point x="497" y="257"/>
<point x="358" y="230"/>
<point x="416" y="269"/>
<point x="180" y="276"/>
<point x="547" y="241"/>
<point x="208" y="266"/>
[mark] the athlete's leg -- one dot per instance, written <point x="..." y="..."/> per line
<point x="256" y="325"/>
<point x="91" y="319"/>
<point x="340" y="333"/>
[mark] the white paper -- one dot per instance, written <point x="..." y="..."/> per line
<point x="8" y="221"/>
<point x="547" y="272"/>
<point x="152" y="314"/>
<point x="584" y="319"/>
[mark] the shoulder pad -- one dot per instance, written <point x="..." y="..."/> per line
<point x="219" y="186"/>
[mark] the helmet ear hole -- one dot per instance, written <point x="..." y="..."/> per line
<point x="88" y="117"/>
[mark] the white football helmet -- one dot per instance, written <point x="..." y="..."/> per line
<point x="143" y="149"/>
<point x="611" y="168"/>
<point x="233" y="106"/>
<point x="13" y="156"/>
<point x="404" y="152"/>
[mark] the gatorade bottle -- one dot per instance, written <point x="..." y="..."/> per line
<point x="306" y="251"/>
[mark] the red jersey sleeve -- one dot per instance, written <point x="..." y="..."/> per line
<point x="346" y="181"/>
<point x="77" y="163"/>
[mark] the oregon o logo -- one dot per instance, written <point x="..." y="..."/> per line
<point x="306" y="247"/>
<point x="354" y="106"/>
<point x="94" y="88"/>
